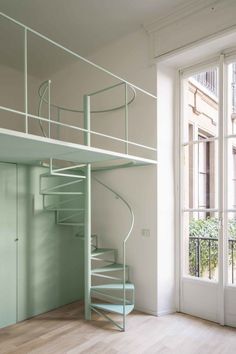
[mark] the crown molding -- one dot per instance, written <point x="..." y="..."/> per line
<point x="180" y="12"/>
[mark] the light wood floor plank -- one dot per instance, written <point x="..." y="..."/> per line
<point x="64" y="331"/>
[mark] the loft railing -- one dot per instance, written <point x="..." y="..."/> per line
<point x="44" y="90"/>
<point x="45" y="96"/>
<point x="207" y="247"/>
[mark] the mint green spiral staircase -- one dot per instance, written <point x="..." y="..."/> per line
<point x="110" y="291"/>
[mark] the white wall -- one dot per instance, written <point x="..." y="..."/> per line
<point x="166" y="222"/>
<point x="189" y="26"/>
<point x="12" y="96"/>
<point x="128" y="58"/>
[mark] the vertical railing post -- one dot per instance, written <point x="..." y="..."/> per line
<point x="26" y="79"/>
<point x="87" y="119"/>
<point x="209" y="258"/>
<point x="124" y="281"/>
<point x="87" y="244"/>
<point x="87" y="218"/>
<point x="196" y="253"/>
<point x="126" y="120"/>
<point x="50" y="166"/>
<point x="232" y="256"/>
<point x="49" y="108"/>
<point x="198" y="256"/>
<point x="58" y="119"/>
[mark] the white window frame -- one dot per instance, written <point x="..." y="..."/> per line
<point x="221" y="62"/>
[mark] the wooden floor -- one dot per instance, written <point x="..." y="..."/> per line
<point x="63" y="331"/>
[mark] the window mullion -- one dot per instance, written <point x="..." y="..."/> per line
<point x="222" y="187"/>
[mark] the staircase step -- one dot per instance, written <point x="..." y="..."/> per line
<point x="113" y="308"/>
<point x="101" y="251"/>
<point x="61" y="193"/>
<point x="109" y="268"/>
<point x="70" y="223"/>
<point x="115" y="286"/>
<point x="55" y="208"/>
<point x="82" y="236"/>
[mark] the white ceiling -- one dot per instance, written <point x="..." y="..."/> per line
<point x="84" y="25"/>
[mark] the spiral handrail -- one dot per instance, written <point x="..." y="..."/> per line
<point x="118" y="196"/>
<point x="43" y="88"/>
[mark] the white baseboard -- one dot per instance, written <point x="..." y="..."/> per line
<point x="166" y="312"/>
<point x="145" y="310"/>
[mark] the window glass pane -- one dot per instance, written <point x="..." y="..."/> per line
<point x="200" y="175"/>
<point x="201" y="245"/>
<point x="231" y="164"/>
<point x="231" y="219"/>
<point x="232" y="98"/>
<point x="201" y="104"/>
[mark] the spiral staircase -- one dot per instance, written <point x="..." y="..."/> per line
<point x="66" y="190"/>
<point x="63" y="191"/>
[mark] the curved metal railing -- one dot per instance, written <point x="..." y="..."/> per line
<point x="44" y="88"/>
<point x="118" y="196"/>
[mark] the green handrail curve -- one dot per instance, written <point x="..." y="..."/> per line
<point x="43" y="88"/>
<point x="132" y="219"/>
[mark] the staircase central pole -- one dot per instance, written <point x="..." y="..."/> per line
<point x="87" y="221"/>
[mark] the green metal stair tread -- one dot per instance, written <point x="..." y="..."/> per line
<point x="115" y="286"/>
<point x="100" y="251"/>
<point x="82" y="236"/>
<point x="114" y="308"/>
<point x="70" y="223"/>
<point x="55" y="208"/>
<point x="60" y="193"/>
<point x="109" y="268"/>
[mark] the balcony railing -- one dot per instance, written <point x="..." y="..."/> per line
<point x="208" y="80"/>
<point x="203" y="257"/>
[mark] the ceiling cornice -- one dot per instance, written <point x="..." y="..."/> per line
<point x="181" y="12"/>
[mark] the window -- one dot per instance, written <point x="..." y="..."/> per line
<point x="201" y="165"/>
<point x="200" y="175"/>
<point x="203" y="175"/>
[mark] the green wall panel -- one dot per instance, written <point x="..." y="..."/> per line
<point x="50" y="258"/>
<point x="8" y="244"/>
<point x="44" y="269"/>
